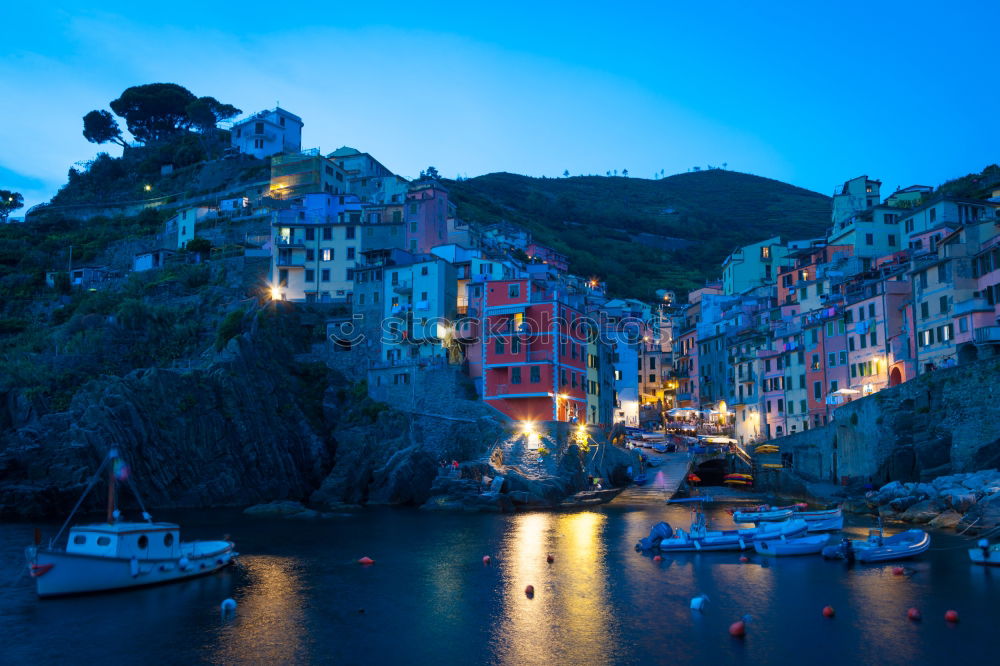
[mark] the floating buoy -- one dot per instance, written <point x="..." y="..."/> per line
<point x="738" y="629"/>
<point x="951" y="616"/>
<point x="657" y="558"/>
<point x="828" y="611"/>
<point x="698" y="603"/>
<point x="549" y="558"/>
<point x="366" y="561"/>
<point x="529" y="591"/>
<point x="228" y="606"/>
<point x="486" y="559"/>
<point x="897" y="571"/>
<point x="744" y="559"/>
<point x="913" y="614"/>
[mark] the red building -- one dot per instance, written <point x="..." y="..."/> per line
<point x="547" y="255"/>
<point x="534" y="352"/>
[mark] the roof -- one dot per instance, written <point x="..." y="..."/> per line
<point x="345" y="151"/>
<point x="125" y="527"/>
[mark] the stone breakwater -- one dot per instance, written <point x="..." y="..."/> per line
<point x="966" y="502"/>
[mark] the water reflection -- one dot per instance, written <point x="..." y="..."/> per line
<point x="269" y="627"/>
<point x="570" y="619"/>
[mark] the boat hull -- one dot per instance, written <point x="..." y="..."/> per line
<point x="732" y="539"/>
<point x="831" y="524"/>
<point x="990" y="558"/>
<point x="762" y="516"/>
<point x="899" y="547"/>
<point x="800" y="546"/>
<point x="58" y="573"/>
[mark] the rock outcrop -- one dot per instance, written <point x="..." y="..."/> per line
<point x="967" y="502"/>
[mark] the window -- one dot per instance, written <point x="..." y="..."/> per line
<point x="873" y="338"/>
<point x="514" y="291"/>
<point x="932" y="214"/>
<point x="515" y="345"/>
<point x="652" y="363"/>
<point x="854" y="369"/>
<point x="498" y="346"/>
<point x="328" y="254"/>
<point x="168" y="539"/>
<point x="349" y="233"/>
<point x="765" y="253"/>
<point x="815" y="362"/>
<point x="350" y="253"/>
<point x="652" y="378"/>
<point x="963" y="325"/>
<point x="327" y="233"/>
<point x="283" y="277"/>
<point x="850" y="342"/>
<point x="833" y="386"/>
<point x="310" y="255"/>
<point x="802" y="381"/>
<point x="79" y="539"/>
<point x="943" y="304"/>
<point x="814" y="335"/>
<point x="925" y="310"/>
<point x="515" y="375"/>
<point x="869" y="239"/>
<point x="781" y="406"/>
<point x="310" y="275"/>
<point x="258" y="143"/>
<point x="423" y="295"/>
<point x="832" y="359"/>
<point x="325" y="275"/>
<point x="892" y="240"/>
<point x="103" y="541"/>
<point x="143" y="542"/>
<point x="923" y="280"/>
<point x="310" y="234"/>
<point x="423" y="270"/>
<point x="817" y="390"/>
<point x="536" y="374"/>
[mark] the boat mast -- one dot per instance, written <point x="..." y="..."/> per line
<point x="111" y="487"/>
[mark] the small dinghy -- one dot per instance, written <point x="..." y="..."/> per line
<point x="117" y="555"/>
<point x="808" y="545"/>
<point x="879" y="548"/>
<point x="829" y="520"/>
<point x="986" y="554"/>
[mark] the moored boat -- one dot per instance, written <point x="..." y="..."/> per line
<point x="118" y="554"/>
<point x="807" y="545"/>
<point x="664" y="538"/>
<point x="640" y="479"/>
<point x="986" y="554"/>
<point x="879" y="548"/>
<point x="774" y="515"/>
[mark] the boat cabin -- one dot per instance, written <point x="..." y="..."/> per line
<point x="144" y="541"/>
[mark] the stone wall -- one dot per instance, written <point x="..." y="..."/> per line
<point x="433" y="389"/>
<point x="944" y="422"/>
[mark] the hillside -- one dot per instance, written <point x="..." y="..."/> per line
<point x="643" y="235"/>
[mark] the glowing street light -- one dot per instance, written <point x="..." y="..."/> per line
<point x="147" y="187"/>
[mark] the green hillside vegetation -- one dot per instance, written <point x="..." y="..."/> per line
<point x="596" y="221"/>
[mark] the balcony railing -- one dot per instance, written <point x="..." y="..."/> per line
<point x="987" y="335"/>
<point x="972" y="305"/>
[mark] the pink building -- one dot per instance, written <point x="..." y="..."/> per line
<point x="426" y="215"/>
<point x="548" y="256"/>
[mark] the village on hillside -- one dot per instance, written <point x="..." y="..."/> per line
<point x="900" y="286"/>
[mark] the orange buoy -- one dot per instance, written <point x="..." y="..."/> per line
<point x="897" y="571"/>
<point x="486" y="559"/>
<point x="366" y="561"/>
<point x="738" y="629"/>
<point x="744" y="559"/>
<point x="529" y="591"/>
<point x="951" y="616"/>
<point x="828" y="611"/>
<point x="549" y="558"/>
<point x="657" y="558"/>
<point x="913" y="614"/>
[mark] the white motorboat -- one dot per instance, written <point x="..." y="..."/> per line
<point x="772" y="515"/>
<point x="880" y="548"/>
<point x="118" y="555"/>
<point x="664" y="538"/>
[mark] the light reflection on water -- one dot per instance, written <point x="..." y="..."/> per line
<point x="570" y="618"/>
<point x="269" y="626"/>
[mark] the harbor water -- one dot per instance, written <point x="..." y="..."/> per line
<point x="303" y="598"/>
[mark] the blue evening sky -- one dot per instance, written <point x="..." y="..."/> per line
<point x="807" y="92"/>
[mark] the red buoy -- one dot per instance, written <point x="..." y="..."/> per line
<point x="744" y="559"/>
<point x="549" y="558"/>
<point x="657" y="558"/>
<point x="486" y="559"/>
<point x="366" y="561"/>
<point x="951" y="616"/>
<point x="738" y="629"/>
<point x="897" y="571"/>
<point x="828" y="611"/>
<point x="913" y="614"/>
<point x="529" y="591"/>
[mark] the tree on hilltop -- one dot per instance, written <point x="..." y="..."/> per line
<point x="154" y="111"/>
<point x="205" y="113"/>
<point x="99" y="126"/>
<point x="566" y="173"/>
<point x="9" y="202"/>
<point x="430" y="172"/>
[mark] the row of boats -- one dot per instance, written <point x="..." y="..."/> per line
<point x="782" y="531"/>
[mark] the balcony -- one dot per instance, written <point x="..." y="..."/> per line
<point x="987" y="335"/>
<point x="403" y="287"/>
<point x="284" y="241"/>
<point x="284" y="262"/>
<point x="971" y="305"/>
